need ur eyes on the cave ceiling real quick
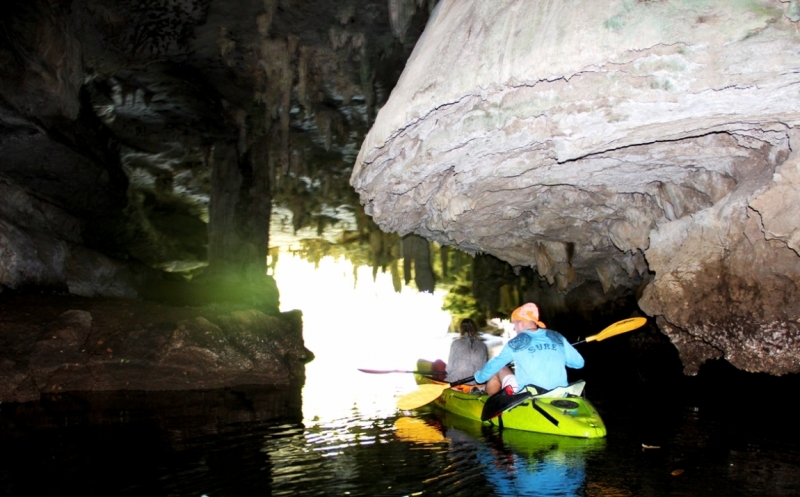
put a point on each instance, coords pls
(127, 120)
(648, 145)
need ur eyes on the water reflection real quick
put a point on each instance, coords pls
(512, 462)
(342, 434)
(352, 320)
(256, 441)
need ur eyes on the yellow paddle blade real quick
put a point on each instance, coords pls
(617, 328)
(418, 398)
(417, 430)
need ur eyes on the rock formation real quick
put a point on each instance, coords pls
(149, 140)
(143, 146)
(57, 344)
(640, 144)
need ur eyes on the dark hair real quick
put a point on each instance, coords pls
(470, 329)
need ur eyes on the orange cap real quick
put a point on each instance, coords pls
(528, 312)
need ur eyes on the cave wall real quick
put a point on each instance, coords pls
(725, 285)
(636, 144)
(144, 144)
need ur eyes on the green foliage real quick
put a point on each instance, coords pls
(459, 301)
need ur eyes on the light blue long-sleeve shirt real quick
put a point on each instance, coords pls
(540, 359)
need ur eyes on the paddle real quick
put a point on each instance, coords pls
(417, 430)
(428, 393)
(386, 371)
(615, 329)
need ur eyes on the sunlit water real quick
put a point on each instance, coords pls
(342, 435)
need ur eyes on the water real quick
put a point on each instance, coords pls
(253, 441)
(340, 433)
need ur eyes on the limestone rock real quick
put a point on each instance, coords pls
(585, 138)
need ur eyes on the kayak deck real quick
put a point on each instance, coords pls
(566, 415)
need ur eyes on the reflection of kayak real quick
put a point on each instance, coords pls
(567, 415)
(519, 462)
(524, 443)
(417, 430)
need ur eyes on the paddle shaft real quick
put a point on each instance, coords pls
(387, 371)
(461, 382)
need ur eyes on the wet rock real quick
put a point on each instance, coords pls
(104, 344)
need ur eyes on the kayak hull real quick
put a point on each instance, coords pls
(570, 416)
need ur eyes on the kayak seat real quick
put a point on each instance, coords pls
(535, 389)
(574, 389)
(440, 368)
(501, 402)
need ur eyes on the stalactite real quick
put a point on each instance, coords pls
(367, 78)
(408, 258)
(400, 14)
(416, 253)
(444, 255)
(226, 181)
(376, 247)
(264, 21)
(396, 282)
(423, 271)
(302, 87)
(275, 62)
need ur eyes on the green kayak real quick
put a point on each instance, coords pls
(562, 411)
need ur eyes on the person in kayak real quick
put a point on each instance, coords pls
(540, 356)
(468, 353)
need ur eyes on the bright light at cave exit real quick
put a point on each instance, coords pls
(352, 322)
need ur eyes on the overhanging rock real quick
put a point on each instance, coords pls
(605, 140)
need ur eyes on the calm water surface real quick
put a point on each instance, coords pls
(351, 441)
(340, 433)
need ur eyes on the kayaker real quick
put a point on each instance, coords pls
(540, 356)
(468, 353)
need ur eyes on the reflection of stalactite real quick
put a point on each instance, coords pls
(489, 274)
(509, 296)
(444, 253)
(376, 247)
(396, 277)
(277, 76)
(272, 260)
(417, 250)
(407, 261)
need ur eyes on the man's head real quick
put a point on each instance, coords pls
(526, 317)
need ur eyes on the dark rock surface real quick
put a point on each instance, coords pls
(160, 135)
(143, 146)
(55, 344)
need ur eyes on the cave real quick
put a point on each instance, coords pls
(605, 164)
(606, 160)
